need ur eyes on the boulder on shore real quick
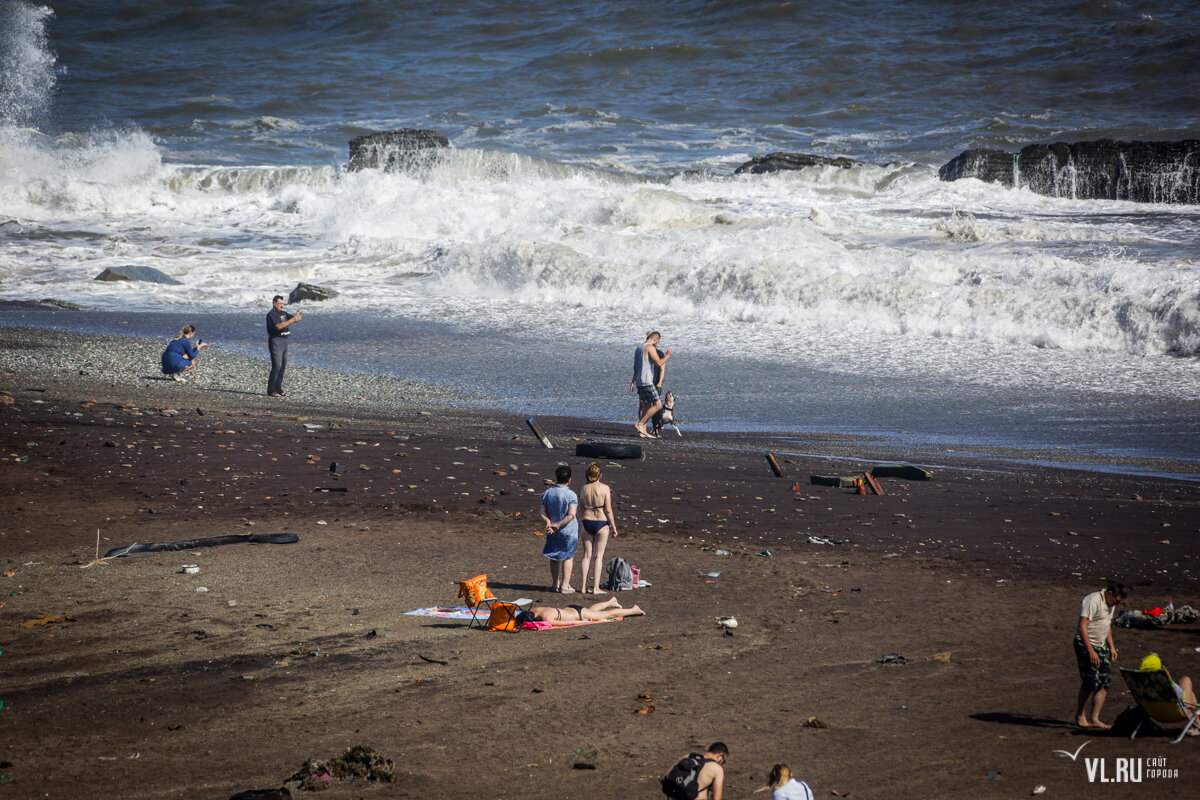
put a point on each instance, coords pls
(135, 273)
(777, 162)
(1145, 172)
(306, 292)
(396, 151)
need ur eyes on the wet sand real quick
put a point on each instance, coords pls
(154, 689)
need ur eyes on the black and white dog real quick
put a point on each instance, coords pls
(665, 416)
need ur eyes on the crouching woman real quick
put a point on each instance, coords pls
(180, 355)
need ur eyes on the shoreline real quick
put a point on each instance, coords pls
(129, 361)
(304, 650)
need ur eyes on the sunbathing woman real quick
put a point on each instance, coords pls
(573, 615)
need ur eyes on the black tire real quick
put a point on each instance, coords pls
(906, 471)
(609, 450)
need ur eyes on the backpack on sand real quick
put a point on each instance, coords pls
(620, 576)
(683, 781)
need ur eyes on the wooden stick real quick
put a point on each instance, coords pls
(97, 543)
(533, 426)
(774, 464)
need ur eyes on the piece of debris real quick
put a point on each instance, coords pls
(831, 480)
(357, 763)
(335, 466)
(773, 464)
(282, 793)
(728, 622)
(821, 540)
(893, 658)
(533, 426)
(1039, 789)
(813, 722)
(31, 623)
(582, 765)
(943, 657)
(906, 471)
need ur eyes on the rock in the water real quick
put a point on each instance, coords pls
(776, 162)
(305, 292)
(396, 151)
(45, 303)
(1145, 172)
(135, 273)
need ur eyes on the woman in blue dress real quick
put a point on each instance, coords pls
(559, 507)
(180, 355)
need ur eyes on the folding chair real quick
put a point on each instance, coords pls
(522, 604)
(477, 597)
(1154, 691)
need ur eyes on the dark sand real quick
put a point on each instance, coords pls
(156, 690)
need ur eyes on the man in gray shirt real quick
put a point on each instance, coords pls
(645, 359)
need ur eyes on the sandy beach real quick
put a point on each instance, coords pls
(162, 684)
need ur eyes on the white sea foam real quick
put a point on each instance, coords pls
(27, 65)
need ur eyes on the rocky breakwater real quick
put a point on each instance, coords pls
(397, 151)
(1145, 172)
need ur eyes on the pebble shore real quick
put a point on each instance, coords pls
(219, 379)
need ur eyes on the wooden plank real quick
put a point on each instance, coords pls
(533, 426)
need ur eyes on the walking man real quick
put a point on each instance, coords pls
(278, 322)
(645, 359)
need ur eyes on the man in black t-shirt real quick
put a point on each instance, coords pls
(278, 322)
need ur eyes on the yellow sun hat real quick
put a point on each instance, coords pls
(1151, 662)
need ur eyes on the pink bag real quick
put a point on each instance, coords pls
(636, 575)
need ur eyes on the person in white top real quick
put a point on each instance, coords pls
(1095, 652)
(785, 786)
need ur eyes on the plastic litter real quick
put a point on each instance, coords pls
(728, 622)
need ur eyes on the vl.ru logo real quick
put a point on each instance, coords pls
(1122, 769)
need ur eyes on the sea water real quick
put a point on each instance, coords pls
(590, 196)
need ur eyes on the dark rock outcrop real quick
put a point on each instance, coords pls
(1145, 172)
(305, 292)
(135, 273)
(396, 151)
(47, 303)
(777, 162)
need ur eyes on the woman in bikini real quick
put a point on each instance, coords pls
(598, 523)
(574, 615)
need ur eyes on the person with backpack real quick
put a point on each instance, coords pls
(698, 776)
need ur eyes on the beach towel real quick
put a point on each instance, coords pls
(445, 612)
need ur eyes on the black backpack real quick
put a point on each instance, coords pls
(682, 782)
